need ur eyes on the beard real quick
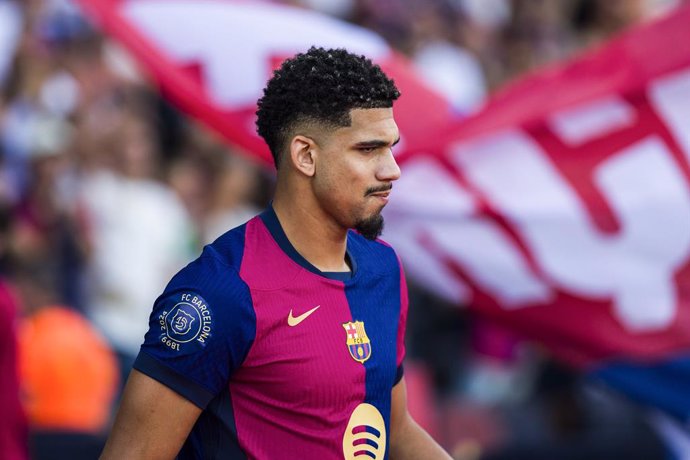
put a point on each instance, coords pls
(371, 227)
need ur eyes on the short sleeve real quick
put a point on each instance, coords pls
(200, 331)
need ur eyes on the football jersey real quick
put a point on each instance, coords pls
(286, 361)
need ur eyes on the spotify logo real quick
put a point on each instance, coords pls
(365, 435)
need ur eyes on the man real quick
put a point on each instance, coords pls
(284, 340)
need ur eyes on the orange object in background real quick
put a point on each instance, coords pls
(69, 373)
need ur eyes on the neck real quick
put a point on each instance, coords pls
(312, 232)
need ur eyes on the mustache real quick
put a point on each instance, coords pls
(382, 188)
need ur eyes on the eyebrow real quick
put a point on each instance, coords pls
(376, 143)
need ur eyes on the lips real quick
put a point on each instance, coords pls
(383, 196)
(380, 190)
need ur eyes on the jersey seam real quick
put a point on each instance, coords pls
(214, 254)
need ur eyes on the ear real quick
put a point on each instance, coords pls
(303, 154)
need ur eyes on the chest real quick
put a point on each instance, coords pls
(324, 343)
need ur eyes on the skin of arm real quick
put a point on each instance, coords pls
(152, 423)
(408, 439)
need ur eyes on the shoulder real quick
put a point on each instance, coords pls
(215, 273)
(204, 298)
(227, 249)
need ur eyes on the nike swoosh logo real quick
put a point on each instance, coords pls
(295, 320)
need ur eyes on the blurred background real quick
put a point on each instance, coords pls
(106, 190)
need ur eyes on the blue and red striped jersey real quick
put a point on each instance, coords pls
(286, 361)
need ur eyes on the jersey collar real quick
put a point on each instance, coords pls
(270, 220)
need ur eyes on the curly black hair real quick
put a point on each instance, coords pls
(320, 86)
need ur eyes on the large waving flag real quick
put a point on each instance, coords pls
(562, 209)
(567, 201)
(213, 58)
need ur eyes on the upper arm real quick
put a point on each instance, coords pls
(152, 423)
(409, 440)
(200, 331)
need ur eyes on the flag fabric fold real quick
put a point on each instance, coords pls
(213, 57)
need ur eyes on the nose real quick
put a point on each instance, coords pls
(388, 169)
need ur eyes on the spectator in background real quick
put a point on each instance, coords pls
(13, 426)
(568, 418)
(69, 373)
(446, 66)
(10, 30)
(48, 228)
(231, 197)
(221, 188)
(189, 176)
(140, 233)
(598, 20)
(389, 18)
(537, 34)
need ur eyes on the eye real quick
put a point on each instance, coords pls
(367, 149)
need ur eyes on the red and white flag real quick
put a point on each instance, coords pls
(213, 58)
(561, 210)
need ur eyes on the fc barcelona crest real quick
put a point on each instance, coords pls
(358, 343)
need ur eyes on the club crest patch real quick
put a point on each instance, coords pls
(182, 322)
(189, 320)
(358, 344)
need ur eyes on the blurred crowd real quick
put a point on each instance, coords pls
(106, 190)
